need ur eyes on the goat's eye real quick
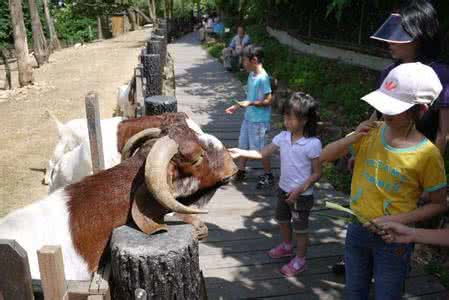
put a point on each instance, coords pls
(199, 160)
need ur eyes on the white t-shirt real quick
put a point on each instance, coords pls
(296, 160)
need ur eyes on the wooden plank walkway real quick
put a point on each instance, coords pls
(240, 219)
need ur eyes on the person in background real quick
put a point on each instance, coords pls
(256, 123)
(236, 48)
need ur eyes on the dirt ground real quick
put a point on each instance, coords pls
(27, 135)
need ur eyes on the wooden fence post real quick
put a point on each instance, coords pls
(153, 72)
(51, 267)
(94, 128)
(15, 280)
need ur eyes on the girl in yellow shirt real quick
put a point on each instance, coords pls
(394, 165)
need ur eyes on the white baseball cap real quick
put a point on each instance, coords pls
(406, 85)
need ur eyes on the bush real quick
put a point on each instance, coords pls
(73, 28)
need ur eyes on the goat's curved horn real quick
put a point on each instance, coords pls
(137, 140)
(156, 176)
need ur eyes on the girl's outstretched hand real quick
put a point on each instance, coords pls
(232, 109)
(235, 152)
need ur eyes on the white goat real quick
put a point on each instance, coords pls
(71, 159)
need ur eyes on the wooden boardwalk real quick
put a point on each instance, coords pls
(240, 219)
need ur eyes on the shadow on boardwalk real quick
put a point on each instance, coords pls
(241, 225)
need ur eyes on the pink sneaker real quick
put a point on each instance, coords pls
(294, 267)
(280, 251)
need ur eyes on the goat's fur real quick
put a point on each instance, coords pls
(71, 160)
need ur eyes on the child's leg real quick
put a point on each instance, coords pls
(283, 217)
(391, 265)
(266, 162)
(257, 140)
(302, 242)
(358, 262)
(300, 220)
(244, 140)
(286, 232)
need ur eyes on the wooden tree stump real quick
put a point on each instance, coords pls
(152, 71)
(157, 105)
(165, 265)
(162, 49)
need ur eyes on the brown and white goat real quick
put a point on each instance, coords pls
(164, 169)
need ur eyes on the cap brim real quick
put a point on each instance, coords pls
(386, 104)
(391, 31)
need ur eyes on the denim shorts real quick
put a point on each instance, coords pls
(367, 256)
(253, 135)
(296, 214)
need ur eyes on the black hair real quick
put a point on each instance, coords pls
(254, 52)
(303, 105)
(241, 26)
(420, 21)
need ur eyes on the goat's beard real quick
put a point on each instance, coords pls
(199, 198)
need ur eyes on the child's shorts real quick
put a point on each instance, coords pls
(297, 214)
(253, 135)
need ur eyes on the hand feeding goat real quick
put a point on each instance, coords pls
(164, 169)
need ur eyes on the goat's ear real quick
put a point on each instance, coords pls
(147, 213)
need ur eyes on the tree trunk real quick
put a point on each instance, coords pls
(362, 17)
(145, 17)
(4, 56)
(132, 19)
(165, 265)
(40, 48)
(99, 29)
(54, 41)
(20, 43)
(152, 10)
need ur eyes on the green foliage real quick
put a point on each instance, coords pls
(337, 86)
(439, 270)
(5, 25)
(73, 28)
(215, 49)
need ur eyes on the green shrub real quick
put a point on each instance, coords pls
(73, 28)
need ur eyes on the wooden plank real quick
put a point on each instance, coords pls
(94, 128)
(95, 297)
(327, 283)
(15, 281)
(51, 267)
(249, 257)
(100, 282)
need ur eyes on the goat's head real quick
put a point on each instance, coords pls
(181, 163)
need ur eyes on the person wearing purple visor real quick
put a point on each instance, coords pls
(413, 36)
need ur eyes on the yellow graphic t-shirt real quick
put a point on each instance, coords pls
(388, 180)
